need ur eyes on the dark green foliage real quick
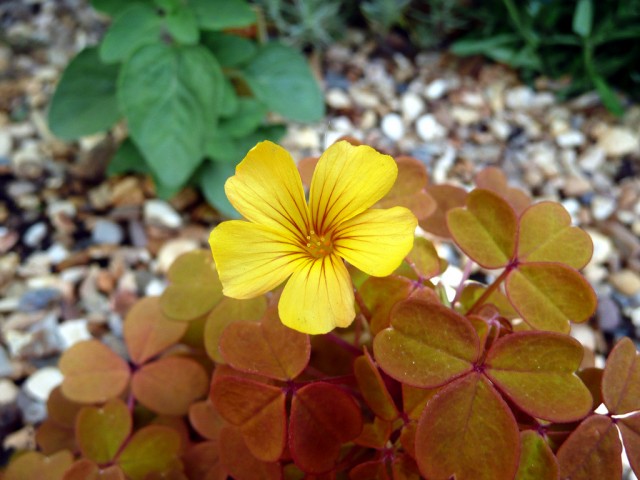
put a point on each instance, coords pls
(595, 43)
(195, 92)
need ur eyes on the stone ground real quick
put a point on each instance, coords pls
(77, 248)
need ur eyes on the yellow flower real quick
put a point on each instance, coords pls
(284, 238)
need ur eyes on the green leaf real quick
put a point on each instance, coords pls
(537, 461)
(221, 15)
(373, 388)
(194, 287)
(272, 132)
(583, 18)
(380, 294)
(592, 451)
(168, 6)
(228, 311)
(550, 295)
(153, 449)
(115, 7)
(85, 99)
(127, 159)
(475, 46)
(229, 101)
(211, 179)
(546, 235)
(537, 371)
(101, 431)
(245, 120)
(280, 77)
(427, 344)
(621, 379)
(170, 96)
(183, 26)
(486, 229)
(462, 430)
(608, 96)
(260, 415)
(31, 465)
(135, 27)
(230, 50)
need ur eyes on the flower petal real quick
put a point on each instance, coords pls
(318, 297)
(252, 259)
(267, 190)
(376, 241)
(346, 182)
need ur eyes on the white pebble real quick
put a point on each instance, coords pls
(8, 392)
(602, 247)
(155, 288)
(172, 250)
(436, 89)
(412, 106)
(338, 99)
(35, 234)
(429, 129)
(602, 207)
(572, 138)
(392, 126)
(39, 385)
(57, 253)
(5, 143)
(584, 334)
(617, 141)
(73, 331)
(159, 212)
(592, 159)
(64, 207)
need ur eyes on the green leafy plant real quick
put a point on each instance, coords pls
(486, 385)
(595, 43)
(309, 22)
(194, 88)
(383, 14)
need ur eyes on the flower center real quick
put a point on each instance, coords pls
(318, 245)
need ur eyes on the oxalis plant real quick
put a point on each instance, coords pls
(361, 366)
(194, 80)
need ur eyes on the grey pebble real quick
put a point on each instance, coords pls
(107, 232)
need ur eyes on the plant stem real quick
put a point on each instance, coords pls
(341, 342)
(361, 305)
(465, 276)
(490, 289)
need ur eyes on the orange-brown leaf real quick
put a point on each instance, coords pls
(93, 373)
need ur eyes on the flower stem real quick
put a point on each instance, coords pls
(361, 305)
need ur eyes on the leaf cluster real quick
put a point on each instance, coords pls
(594, 43)
(488, 385)
(194, 84)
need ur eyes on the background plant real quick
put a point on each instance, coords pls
(306, 22)
(594, 43)
(487, 385)
(195, 93)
